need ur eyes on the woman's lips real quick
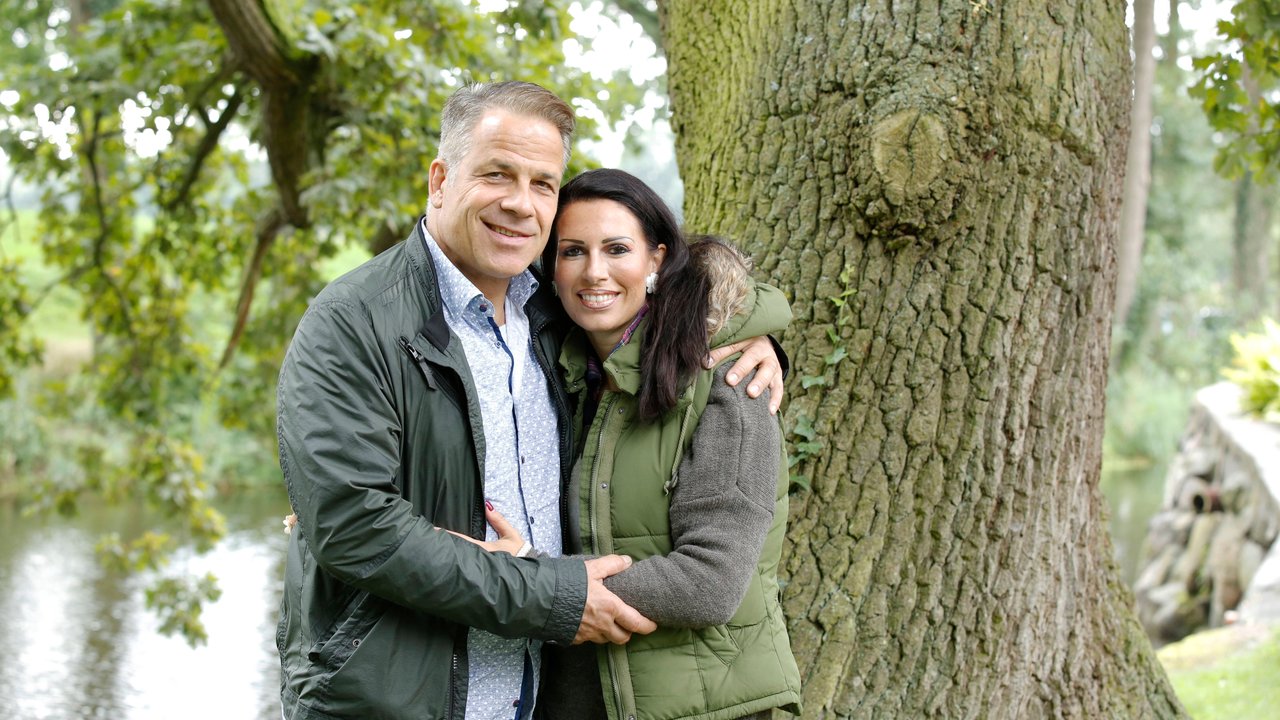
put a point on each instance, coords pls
(596, 299)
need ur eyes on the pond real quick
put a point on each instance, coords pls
(78, 641)
(1133, 495)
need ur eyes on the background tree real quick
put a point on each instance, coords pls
(1137, 176)
(937, 186)
(1245, 105)
(199, 162)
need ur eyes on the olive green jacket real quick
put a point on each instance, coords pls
(381, 445)
(628, 468)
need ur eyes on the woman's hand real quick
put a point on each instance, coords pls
(509, 540)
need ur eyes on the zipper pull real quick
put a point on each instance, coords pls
(418, 360)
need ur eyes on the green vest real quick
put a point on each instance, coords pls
(722, 672)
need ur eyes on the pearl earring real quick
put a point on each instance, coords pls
(651, 282)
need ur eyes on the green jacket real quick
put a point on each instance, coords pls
(381, 444)
(720, 672)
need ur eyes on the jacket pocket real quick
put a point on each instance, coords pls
(361, 615)
(720, 640)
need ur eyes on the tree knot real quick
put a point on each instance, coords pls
(909, 150)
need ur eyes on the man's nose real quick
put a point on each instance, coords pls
(519, 200)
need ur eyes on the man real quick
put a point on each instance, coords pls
(419, 388)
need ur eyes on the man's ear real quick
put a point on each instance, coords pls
(435, 183)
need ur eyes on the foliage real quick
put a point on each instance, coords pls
(195, 177)
(1256, 369)
(1238, 89)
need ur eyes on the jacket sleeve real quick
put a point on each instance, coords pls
(720, 512)
(340, 435)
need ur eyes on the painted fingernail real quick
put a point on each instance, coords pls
(706, 361)
(488, 504)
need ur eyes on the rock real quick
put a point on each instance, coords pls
(1180, 613)
(1191, 495)
(1187, 569)
(1167, 527)
(1251, 554)
(1224, 567)
(1237, 485)
(1200, 461)
(1156, 572)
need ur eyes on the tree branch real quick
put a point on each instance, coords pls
(207, 145)
(256, 43)
(95, 183)
(269, 226)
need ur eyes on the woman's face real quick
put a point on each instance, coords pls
(602, 259)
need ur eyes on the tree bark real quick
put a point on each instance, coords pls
(937, 187)
(1137, 180)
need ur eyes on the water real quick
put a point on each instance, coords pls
(76, 640)
(1133, 496)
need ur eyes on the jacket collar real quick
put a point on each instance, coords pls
(623, 365)
(436, 328)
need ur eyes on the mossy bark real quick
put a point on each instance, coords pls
(937, 187)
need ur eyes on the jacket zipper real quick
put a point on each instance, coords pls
(566, 442)
(418, 359)
(603, 415)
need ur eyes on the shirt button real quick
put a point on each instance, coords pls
(621, 410)
(532, 520)
(604, 486)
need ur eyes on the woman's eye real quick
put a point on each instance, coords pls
(570, 252)
(619, 249)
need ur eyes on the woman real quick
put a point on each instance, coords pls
(677, 469)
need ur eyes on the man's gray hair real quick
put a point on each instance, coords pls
(467, 105)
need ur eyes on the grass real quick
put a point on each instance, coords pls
(57, 318)
(1230, 673)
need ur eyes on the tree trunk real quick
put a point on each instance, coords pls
(1137, 179)
(937, 187)
(1251, 234)
(1251, 249)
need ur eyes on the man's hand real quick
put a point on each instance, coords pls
(606, 619)
(758, 355)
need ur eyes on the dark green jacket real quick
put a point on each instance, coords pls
(381, 444)
(716, 672)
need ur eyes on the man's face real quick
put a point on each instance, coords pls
(491, 213)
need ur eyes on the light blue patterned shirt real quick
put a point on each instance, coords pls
(521, 464)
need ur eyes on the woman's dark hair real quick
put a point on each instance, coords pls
(675, 343)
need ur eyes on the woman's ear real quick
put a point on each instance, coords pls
(659, 254)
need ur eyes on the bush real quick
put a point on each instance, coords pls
(1256, 369)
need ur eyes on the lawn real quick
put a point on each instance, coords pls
(1230, 673)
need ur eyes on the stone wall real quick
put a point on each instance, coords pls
(1210, 557)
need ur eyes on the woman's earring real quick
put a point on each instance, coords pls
(651, 282)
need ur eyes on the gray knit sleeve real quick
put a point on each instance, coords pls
(721, 509)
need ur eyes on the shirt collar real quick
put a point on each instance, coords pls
(460, 294)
